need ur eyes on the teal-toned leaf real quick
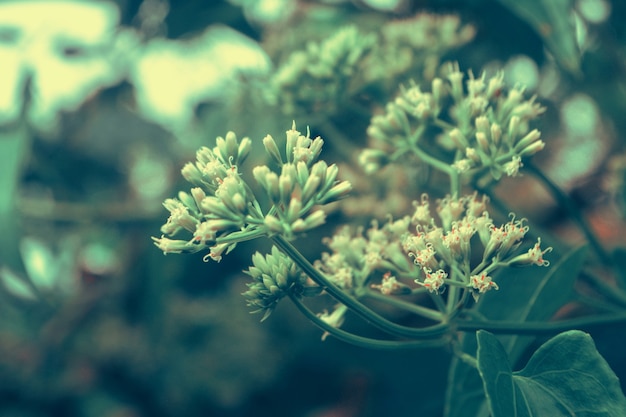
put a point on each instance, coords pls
(554, 22)
(497, 376)
(566, 376)
(619, 258)
(526, 294)
(16, 285)
(39, 263)
(14, 147)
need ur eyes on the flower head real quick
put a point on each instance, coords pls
(273, 276)
(433, 281)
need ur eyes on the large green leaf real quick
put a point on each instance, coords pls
(523, 297)
(526, 294)
(566, 376)
(553, 21)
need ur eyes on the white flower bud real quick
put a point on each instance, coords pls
(272, 149)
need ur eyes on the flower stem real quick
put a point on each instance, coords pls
(434, 162)
(357, 307)
(361, 341)
(404, 305)
(536, 328)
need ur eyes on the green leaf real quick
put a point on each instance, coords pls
(566, 376)
(16, 285)
(528, 297)
(525, 294)
(39, 262)
(619, 259)
(553, 21)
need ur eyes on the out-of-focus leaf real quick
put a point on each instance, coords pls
(14, 145)
(173, 77)
(566, 376)
(526, 294)
(553, 21)
(69, 51)
(16, 285)
(39, 262)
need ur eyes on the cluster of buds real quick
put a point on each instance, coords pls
(356, 254)
(304, 183)
(412, 107)
(433, 253)
(490, 129)
(443, 249)
(429, 31)
(273, 275)
(416, 45)
(315, 80)
(222, 210)
(218, 204)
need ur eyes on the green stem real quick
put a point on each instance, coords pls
(445, 126)
(614, 294)
(242, 236)
(536, 328)
(404, 305)
(463, 356)
(455, 184)
(358, 308)
(362, 341)
(565, 201)
(439, 303)
(434, 162)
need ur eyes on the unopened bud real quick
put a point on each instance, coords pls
(458, 138)
(273, 224)
(191, 173)
(272, 149)
(483, 143)
(482, 124)
(527, 140)
(496, 133)
(533, 148)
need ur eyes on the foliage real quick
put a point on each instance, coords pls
(565, 376)
(408, 211)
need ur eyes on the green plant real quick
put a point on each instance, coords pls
(444, 267)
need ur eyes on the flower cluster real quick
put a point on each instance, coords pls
(415, 45)
(303, 183)
(222, 210)
(429, 31)
(355, 255)
(445, 251)
(432, 253)
(328, 73)
(273, 275)
(218, 205)
(316, 78)
(489, 130)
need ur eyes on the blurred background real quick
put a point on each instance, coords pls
(102, 103)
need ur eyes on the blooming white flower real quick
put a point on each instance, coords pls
(335, 319)
(482, 283)
(433, 281)
(512, 167)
